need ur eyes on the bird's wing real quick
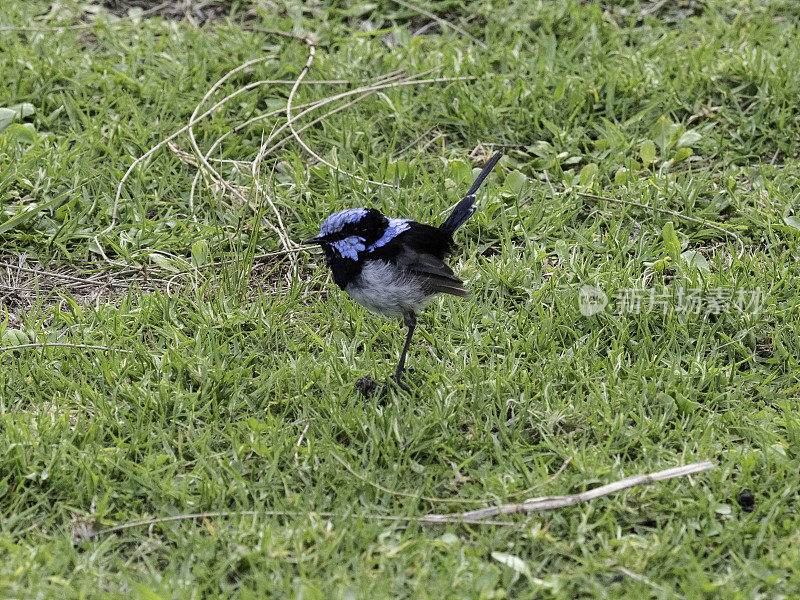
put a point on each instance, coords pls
(434, 273)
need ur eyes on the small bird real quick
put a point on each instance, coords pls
(395, 267)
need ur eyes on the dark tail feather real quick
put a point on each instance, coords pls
(466, 208)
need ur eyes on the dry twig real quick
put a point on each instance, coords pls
(445, 500)
(551, 502)
(272, 513)
(480, 516)
(202, 160)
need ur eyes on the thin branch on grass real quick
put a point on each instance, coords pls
(197, 119)
(175, 134)
(312, 49)
(479, 517)
(443, 500)
(4, 349)
(50, 28)
(552, 502)
(280, 230)
(274, 513)
(397, 74)
(441, 21)
(553, 477)
(28, 528)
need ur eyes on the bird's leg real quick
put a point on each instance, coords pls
(410, 320)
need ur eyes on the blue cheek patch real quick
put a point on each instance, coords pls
(349, 247)
(395, 228)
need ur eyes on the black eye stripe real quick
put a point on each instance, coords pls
(348, 230)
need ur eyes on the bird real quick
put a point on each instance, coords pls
(396, 266)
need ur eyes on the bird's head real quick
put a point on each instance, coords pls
(346, 233)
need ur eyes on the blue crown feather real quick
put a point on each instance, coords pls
(338, 220)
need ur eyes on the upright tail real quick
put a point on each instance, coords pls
(466, 208)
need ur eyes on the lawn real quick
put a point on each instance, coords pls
(170, 349)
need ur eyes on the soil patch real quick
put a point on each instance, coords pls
(26, 284)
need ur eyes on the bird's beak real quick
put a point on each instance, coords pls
(317, 239)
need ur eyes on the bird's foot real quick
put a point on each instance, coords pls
(368, 387)
(398, 379)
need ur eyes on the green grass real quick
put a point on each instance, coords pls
(236, 389)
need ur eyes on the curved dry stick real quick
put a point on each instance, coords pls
(175, 134)
(231, 132)
(552, 502)
(475, 517)
(311, 107)
(272, 513)
(161, 144)
(289, 120)
(314, 105)
(280, 232)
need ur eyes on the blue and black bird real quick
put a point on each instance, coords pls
(395, 266)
